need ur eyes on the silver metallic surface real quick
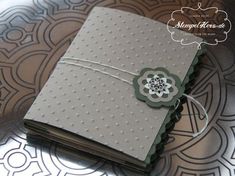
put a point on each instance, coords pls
(34, 34)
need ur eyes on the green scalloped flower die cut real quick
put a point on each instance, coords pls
(157, 87)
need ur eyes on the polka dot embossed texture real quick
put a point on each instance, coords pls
(91, 94)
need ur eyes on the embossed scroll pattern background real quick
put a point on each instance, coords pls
(34, 34)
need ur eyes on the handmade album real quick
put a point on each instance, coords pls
(116, 91)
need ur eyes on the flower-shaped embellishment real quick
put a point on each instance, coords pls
(157, 87)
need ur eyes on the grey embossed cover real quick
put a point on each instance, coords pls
(90, 92)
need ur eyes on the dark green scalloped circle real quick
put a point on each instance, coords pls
(159, 104)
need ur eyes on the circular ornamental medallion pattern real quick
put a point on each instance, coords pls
(157, 87)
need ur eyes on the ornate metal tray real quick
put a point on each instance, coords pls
(34, 34)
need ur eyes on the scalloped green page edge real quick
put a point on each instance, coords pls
(168, 120)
